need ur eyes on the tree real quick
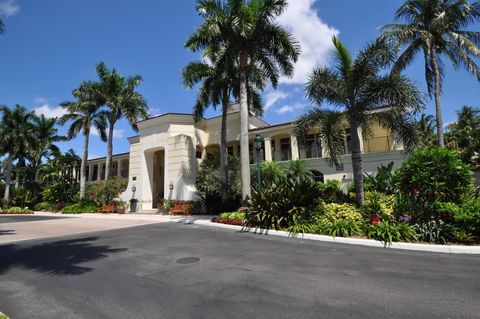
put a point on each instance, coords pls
(219, 84)
(121, 100)
(362, 94)
(2, 27)
(464, 134)
(424, 129)
(84, 113)
(438, 28)
(246, 29)
(17, 140)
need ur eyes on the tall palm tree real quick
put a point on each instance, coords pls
(439, 29)
(17, 140)
(249, 34)
(71, 161)
(121, 100)
(424, 129)
(84, 113)
(464, 134)
(47, 134)
(2, 27)
(362, 94)
(219, 84)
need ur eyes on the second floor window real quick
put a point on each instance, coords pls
(313, 147)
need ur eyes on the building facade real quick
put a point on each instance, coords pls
(164, 158)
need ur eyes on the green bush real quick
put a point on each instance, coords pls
(240, 216)
(339, 228)
(104, 192)
(465, 218)
(389, 231)
(430, 176)
(333, 213)
(382, 182)
(61, 192)
(83, 207)
(17, 210)
(379, 204)
(284, 199)
(45, 207)
(330, 192)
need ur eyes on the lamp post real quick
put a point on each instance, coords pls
(259, 145)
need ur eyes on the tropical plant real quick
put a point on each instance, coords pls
(382, 182)
(464, 134)
(122, 100)
(104, 192)
(331, 192)
(437, 28)
(61, 192)
(17, 140)
(390, 231)
(359, 89)
(84, 113)
(424, 130)
(82, 207)
(2, 27)
(47, 135)
(333, 213)
(248, 34)
(209, 184)
(219, 84)
(436, 232)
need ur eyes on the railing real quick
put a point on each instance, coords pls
(378, 144)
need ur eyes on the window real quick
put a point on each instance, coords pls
(230, 150)
(285, 152)
(318, 176)
(339, 167)
(313, 147)
(198, 152)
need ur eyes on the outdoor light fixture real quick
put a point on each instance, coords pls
(134, 189)
(171, 186)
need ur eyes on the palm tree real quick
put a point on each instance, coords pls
(438, 28)
(250, 36)
(84, 113)
(47, 134)
(362, 94)
(219, 84)
(17, 140)
(424, 129)
(71, 161)
(2, 27)
(464, 134)
(121, 100)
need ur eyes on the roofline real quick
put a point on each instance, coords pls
(99, 158)
(271, 126)
(170, 113)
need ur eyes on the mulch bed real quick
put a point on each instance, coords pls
(228, 221)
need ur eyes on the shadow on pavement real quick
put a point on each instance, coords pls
(7, 232)
(55, 258)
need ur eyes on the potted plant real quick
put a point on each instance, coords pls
(133, 205)
(120, 207)
(165, 207)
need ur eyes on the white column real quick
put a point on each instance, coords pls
(294, 147)
(268, 149)
(90, 173)
(119, 168)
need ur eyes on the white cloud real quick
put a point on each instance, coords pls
(155, 111)
(40, 100)
(9, 8)
(50, 111)
(116, 133)
(273, 97)
(314, 36)
(289, 108)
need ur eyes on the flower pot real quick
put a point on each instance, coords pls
(133, 206)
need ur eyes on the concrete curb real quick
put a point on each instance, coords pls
(446, 249)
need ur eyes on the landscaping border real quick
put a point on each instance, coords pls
(446, 249)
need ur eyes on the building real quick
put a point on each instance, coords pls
(164, 158)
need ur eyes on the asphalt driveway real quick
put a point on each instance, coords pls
(185, 271)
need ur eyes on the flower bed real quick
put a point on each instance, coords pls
(229, 221)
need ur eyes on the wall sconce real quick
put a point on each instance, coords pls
(134, 189)
(171, 186)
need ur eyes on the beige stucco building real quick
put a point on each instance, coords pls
(164, 158)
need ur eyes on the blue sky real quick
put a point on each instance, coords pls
(52, 45)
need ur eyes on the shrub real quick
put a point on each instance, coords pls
(104, 192)
(437, 173)
(434, 232)
(61, 192)
(333, 213)
(45, 207)
(465, 218)
(240, 216)
(17, 210)
(280, 203)
(330, 192)
(383, 181)
(209, 185)
(83, 207)
(379, 204)
(339, 228)
(389, 231)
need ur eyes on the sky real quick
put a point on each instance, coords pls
(51, 46)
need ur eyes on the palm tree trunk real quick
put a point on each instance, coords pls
(357, 163)
(8, 179)
(83, 165)
(438, 107)
(108, 165)
(244, 151)
(224, 149)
